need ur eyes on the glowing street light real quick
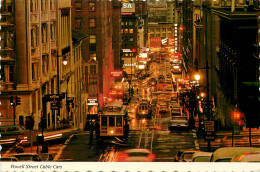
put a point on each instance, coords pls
(197, 77)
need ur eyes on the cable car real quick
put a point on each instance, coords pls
(113, 120)
(143, 110)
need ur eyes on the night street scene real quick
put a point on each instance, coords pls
(130, 81)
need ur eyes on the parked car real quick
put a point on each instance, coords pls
(46, 156)
(178, 156)
(12, 133)
(187, 155)
(225, 154)
(201, 156)
(26, 157)
(178, 122)
(247, 157)
(8, 159)
(135, 155)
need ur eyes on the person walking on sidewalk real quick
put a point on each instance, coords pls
(91, 129)
(97, 129)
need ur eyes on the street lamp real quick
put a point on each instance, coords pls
(197, 77)
(65, 62)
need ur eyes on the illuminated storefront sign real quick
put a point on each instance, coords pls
(92, 101)
(143, 55)
(128, 8)
(117, 73)
(155, 42)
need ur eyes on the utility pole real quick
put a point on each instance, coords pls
(208, 104)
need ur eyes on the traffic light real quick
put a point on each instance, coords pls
(18, 100)
(11, 101)
(236, 115)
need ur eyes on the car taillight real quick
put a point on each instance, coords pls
(151, 157)
(121, 156)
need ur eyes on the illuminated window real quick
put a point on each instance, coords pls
(2, 73)
(93, 56)
(92, 39)
(122, 23)
(78, 6)
(92, 6)
(126, 31)
(92, 22)
(131, 23)
(122, 30)
(78, 22)
(131, 30)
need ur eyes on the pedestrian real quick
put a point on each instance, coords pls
(91, 132)
(97, 129)
(126, 131)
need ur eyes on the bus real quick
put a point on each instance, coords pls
(113, 120)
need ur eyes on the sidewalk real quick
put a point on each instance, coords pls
(48, 135)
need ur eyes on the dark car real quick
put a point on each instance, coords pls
(26, 157)
(12, 133)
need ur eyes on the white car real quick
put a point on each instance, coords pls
(135, 155)
(247, 157)
(201, 156)
(178, 122)
(187, 155)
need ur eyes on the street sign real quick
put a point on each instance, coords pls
(209, 135)
(209, 125)
(55, 105)
(236, 130)
(209, 130)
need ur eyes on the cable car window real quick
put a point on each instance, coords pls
(104, 121)
(119, 121)
(111, 121)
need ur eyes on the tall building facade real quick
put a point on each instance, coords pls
(225, 37)
(100, 20)
(31, 60)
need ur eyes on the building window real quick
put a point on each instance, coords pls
(33, 72)
(131, 30)
(122, 23)
(158, 35)
(78, 22)
(78, 6)
(92, 22)
(122, 30)
(126, 31)
(52, 4)
(2, 73)
(131, 23)
(44, 5)
(92, 39)
(93, 56)
(151, 35)
(53, 31)
(44, 33)
(92, 47)
(44, 64)
(11, 73)
(34, 6)
(92, 6)
(163, 29)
